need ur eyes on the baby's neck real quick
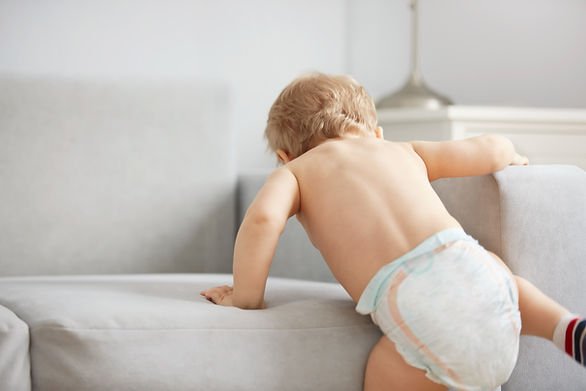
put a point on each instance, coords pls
(345, 136)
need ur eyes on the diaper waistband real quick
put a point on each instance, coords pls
(369, 297)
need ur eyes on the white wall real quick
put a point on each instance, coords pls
(254, 46)
(514, 52)
(497, 52)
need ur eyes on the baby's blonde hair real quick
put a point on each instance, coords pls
(315, 107)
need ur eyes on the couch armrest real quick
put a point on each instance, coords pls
(14, 352)
(534, 217)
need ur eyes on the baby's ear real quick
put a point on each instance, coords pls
(378, 132)
(284, 156)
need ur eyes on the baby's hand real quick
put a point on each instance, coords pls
(221, 295)
(519, 160)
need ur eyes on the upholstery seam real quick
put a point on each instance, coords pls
(195, 329)
(500, 216)
(17, 317)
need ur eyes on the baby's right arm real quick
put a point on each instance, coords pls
(257, 240)
(473, 156)
(258, 235)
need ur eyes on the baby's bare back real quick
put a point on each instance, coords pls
(364, 202)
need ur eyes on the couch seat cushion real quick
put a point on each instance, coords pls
(155, 332)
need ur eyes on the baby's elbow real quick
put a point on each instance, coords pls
(266, 220)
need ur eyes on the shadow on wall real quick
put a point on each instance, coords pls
(210, 245)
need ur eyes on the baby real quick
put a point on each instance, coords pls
(450, 310)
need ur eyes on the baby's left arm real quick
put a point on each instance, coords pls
(257, 239)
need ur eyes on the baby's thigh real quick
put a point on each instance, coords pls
(386, 370)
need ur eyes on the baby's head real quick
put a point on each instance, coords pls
(316, 107)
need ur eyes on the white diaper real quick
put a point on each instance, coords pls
(451, 309)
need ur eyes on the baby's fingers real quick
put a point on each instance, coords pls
(519, 160)
(215, 295)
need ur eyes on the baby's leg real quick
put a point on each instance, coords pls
(543, 317)
(539, 313)
(386, 370)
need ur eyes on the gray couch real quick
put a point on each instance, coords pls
(119, 202)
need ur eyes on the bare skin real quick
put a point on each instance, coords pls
(363, 202)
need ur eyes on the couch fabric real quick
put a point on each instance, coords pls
(115, 177)
(14, 352)
(155, 332)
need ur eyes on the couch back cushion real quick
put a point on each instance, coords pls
(114, 177)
